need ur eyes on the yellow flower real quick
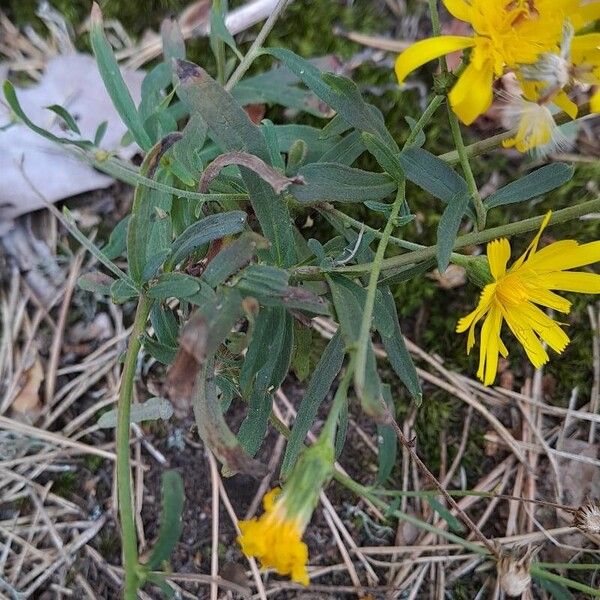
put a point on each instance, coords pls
(507, 34)
(516, 294)
(595, 102)
(275, 538)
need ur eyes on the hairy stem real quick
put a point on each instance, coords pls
(365, 328)
(254, 50)
(478, 237)
(126, 517)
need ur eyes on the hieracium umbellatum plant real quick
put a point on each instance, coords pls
(220, 267)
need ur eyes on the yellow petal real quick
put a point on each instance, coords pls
(531, 249)
(566, 104)
(473, 94)
(490, 346)
(469, 322)
(585, 15)
(544, 297)
(545, 327)
(425, 50)
(571, 256)
(459, 9)
(595, 102)
(498, 253)
(582, 283)
(524, 333)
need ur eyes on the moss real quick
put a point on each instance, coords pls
(65, 484)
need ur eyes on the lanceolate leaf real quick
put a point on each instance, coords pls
(113, 80)
(339, 183)
(267, 362)
(537, 183)
(448, 228)
(431, 174)
(173, 497)
(232, 130)
(206, 230)
(325, 372)
(339, 93)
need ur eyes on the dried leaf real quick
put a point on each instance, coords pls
(27, 403)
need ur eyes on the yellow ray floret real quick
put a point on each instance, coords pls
(507, 34)
(515, 295)
(276, 539)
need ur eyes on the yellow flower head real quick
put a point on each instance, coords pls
(275, 538)
(507, 34)
(516, 294)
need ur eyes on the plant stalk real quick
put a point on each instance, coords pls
(365, 328)
(470, 239)
(126, 516)
(254, 49)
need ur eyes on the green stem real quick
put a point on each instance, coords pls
(490, 143)
(361, 490)
(339, 401)
(434, 15)
(126, 516)
(424, 119)
(254, 49)
(480, 209)
(470, 239)
(364, 338)
(218, 46)
(538, 571)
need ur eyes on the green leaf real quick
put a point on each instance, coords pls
(152, 409)
(349, 310)
(121, 291)
(263, 280)
(117, 241)
(346, 151)
(539, 182)
(161, 352)
(66, 116)
(448, 228)
(322, 379)
(173, 497)
(387, 441)
(301, 351)
(11, 98)
(387, 160)
(339, 183)
(159, 580)
(164, 324)
(208, 229)
(453, 523)
(174, 285)
(266, 365)
(96, 282)
(395, 347)
(232, 130)
(233, 257)
(432, 174)
(100, 133)
(149, 230)
(218, 29)
(338, 92)
(113, 81)
(172, 41)
(557, 591)
(420, 139)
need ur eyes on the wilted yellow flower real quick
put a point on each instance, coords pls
(536, 128)
(275, 538)
(515, 295)
(506, 34)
